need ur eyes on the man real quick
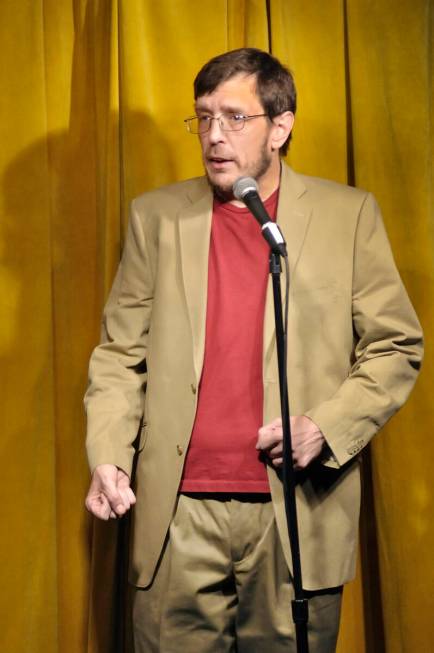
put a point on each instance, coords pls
(190, 318)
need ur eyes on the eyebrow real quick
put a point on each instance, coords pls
(226, 108)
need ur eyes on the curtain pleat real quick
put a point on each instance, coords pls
(28, 543)
(391, 87)
(94, 93)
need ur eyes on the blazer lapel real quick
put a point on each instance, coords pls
(194, 235)
(293, 216)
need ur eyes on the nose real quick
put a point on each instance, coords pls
(215, 133)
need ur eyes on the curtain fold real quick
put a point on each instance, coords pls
(94, 93)
(391, 86)
(28, 546)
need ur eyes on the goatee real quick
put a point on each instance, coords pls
(222, 194)
(255, 169)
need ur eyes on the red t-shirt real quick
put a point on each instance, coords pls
(222, 455)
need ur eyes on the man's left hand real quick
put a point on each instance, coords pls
(307, 441)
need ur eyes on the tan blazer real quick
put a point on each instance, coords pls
(355, 348)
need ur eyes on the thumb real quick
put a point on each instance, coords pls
(110, 489)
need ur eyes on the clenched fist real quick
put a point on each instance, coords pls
(307, 441)
(109, 495)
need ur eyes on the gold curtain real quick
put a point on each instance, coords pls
(93, 95)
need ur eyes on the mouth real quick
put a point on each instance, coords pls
(219, 162)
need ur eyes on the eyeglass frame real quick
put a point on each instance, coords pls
(211, 118)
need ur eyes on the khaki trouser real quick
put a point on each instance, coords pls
(223, 586)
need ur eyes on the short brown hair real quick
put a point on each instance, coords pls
(274, 83)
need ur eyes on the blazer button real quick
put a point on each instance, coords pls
(193, 388)
(179, 449)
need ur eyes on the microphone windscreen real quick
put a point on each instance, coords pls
(244, 185)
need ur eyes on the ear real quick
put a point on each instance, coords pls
(282, 127)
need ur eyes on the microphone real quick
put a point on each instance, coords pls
(245, 189)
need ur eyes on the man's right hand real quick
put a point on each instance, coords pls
(109, 495)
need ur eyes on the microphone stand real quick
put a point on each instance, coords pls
(300, 611)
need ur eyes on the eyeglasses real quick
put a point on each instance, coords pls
(229, 122)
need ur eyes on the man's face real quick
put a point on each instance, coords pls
(228, 155)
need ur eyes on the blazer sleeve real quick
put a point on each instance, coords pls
(117, 372)
(388, 346)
